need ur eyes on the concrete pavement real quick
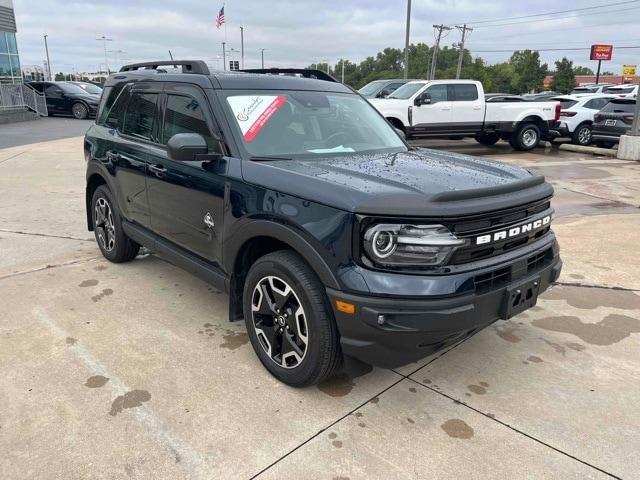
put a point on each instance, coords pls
(132, 371)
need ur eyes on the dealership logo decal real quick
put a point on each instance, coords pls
(513, 232)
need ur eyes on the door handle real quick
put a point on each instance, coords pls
(445, 109)
(477, 108)
(158, 170)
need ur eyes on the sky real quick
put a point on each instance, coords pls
(297, 33)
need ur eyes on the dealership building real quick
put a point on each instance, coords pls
(9, 59)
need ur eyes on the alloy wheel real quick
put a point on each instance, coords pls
(584, 136)
(529, 137)
(280, 322)
(79, 111)
(105, 228)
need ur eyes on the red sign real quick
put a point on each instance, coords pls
(601, 52)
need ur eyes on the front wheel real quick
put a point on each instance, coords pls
(107, 227)
(289, 321)
(526, 137)
(582, 135)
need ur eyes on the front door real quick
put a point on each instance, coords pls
(55, 98)
(435, 117)
(186, 199)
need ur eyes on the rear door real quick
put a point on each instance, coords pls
(467, 109)
(187, 198)
(433, 118)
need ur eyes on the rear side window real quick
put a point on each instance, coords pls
(596, 103)
(564, 104)
(184, 115)
(140, 115)
(616, 106)
(112, 104)
(463, 93)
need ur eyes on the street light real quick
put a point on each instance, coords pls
(104, 41)
(262, 56)
(46, 47)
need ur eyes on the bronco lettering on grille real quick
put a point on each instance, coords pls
(513, 231)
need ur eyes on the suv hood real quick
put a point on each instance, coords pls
(420, 182)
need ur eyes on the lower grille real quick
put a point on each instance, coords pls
(502, 276)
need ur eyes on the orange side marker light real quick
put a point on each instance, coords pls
(345, 307)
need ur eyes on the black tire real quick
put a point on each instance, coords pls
(582, 135)
(321, 356)
(604, 144)
(107, 227)
(79, 110)
(526, 137)
(488, 140)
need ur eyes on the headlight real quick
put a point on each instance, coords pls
(404, 244)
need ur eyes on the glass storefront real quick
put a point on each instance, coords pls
(9, 61)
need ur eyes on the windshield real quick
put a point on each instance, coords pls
(90, 88)
(371, 88)
(407, 90)
(619, 90)
(306, 124)
(71, 88)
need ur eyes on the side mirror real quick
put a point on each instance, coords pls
(423, 99)
(187, 147)
(400, 133)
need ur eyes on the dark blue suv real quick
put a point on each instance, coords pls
(331, 235)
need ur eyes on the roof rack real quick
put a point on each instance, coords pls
(188, 66)
(303, 72)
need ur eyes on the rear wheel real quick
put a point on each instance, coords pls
(526, 137)
(107, 227)
(488, 140)
(289, 321)
(582, 135)
(80, 111)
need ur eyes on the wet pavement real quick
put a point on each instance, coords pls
(132, 370)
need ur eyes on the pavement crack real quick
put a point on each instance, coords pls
(600, 198)
(605, 287)
(13, 156)
(48, 267)
(511, 427)
(36, 234)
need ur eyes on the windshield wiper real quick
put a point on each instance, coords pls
(266, 158)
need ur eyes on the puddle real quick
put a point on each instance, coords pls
(457, 428)
(96, 381)
(234, 340)
(338, 386)
(594, 297)
(131, 399)
(88, 283)
(612, 329)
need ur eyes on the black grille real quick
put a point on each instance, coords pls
(480, 225)
(502, 276)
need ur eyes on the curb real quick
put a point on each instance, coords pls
(607, 152)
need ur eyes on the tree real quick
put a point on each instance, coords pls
(564, 80)
(580, 70)
(529, 72)
(59, 77)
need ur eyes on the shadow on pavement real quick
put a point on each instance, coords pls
(42, 130)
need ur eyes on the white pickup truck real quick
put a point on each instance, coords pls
(457, 109)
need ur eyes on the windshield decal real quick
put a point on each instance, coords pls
(253, 112)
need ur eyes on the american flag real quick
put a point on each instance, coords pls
(220, 18)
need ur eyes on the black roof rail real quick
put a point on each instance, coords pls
(188, 66)
(303, 72)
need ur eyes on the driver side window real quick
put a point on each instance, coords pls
(438, 93)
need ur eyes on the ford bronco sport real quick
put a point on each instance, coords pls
(332, 236)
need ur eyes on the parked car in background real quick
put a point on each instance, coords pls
(613, 121)
(503, 97)
(626, 91)
(89, 87)
(65, 98)
(590, 89)
(540, 97)
(382, 88)
(457, 108)
(576, 115)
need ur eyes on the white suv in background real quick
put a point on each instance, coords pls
(576, 115)
(624, 91)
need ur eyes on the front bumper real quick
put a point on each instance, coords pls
(415, 327)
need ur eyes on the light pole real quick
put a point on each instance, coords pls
(406, 41)
(104, 41)
(224, 56)
(262, 57)
(242, 46)
(46, 47)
